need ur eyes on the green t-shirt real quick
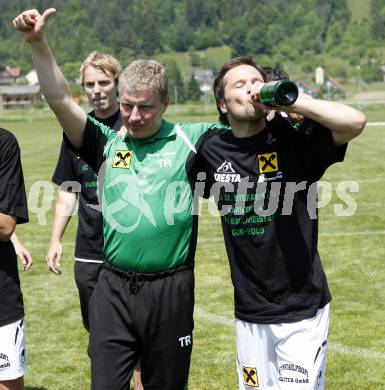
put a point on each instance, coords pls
(147, 198)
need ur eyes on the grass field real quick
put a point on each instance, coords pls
(360, 9)
(352, 249)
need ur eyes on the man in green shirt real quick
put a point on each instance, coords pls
(142, 306)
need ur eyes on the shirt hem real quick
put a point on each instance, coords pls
(11, 319)
(281, 318)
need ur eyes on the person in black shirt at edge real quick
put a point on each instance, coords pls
(270, 228)
(13, 210)
(99, 76)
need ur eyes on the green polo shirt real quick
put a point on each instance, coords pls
(147, 199)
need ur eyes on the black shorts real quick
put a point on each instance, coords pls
(86, 276)
(141, 316)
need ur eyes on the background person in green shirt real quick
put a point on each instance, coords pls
(142, 306)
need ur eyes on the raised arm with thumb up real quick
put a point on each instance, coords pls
(31, 25)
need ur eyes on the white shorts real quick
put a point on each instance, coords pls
(283, 356)
(12, 351)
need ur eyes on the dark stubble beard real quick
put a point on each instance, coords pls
(258, 114)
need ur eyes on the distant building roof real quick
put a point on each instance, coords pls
(14, 72)
(307, 88)
(335, 83)
(19, 89)
(9, 75)
(203, 74)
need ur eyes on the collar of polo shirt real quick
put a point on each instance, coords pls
(167, 130)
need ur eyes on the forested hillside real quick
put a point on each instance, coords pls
(306, 33)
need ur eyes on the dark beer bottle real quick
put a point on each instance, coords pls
(278, 93)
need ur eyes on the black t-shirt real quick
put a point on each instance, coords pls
(89, 238)
(12, 202)
(271, 240)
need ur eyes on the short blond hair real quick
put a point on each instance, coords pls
(141, 75)
(105, 62)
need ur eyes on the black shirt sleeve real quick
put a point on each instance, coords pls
(91, 150)
(317, 149)
(196, 167)
(12, 191)
(65, 170)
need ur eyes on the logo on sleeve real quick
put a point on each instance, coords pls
(250, 376)
(268, 162)
(122, 159)
(226, 173)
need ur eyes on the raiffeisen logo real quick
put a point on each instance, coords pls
(226, 174)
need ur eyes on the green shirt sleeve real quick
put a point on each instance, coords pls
(195, 130)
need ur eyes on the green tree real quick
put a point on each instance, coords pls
(284, 31)
(71, 70)
(181, 36)
(195, 60)
(236, 36)
(202, 12)
(207, 37)
(378, 19)
(193, 92)
(194, 12)
(175, 82)
(149, 37)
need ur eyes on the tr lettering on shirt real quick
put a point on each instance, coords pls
(166, 163)
(185, 341)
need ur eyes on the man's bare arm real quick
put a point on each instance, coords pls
(72, 118)
(7, 226)
(22, 253)
(344, 122)
(65, 205)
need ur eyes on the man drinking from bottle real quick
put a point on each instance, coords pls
(263, 177)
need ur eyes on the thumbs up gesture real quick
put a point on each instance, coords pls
(31, 24)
